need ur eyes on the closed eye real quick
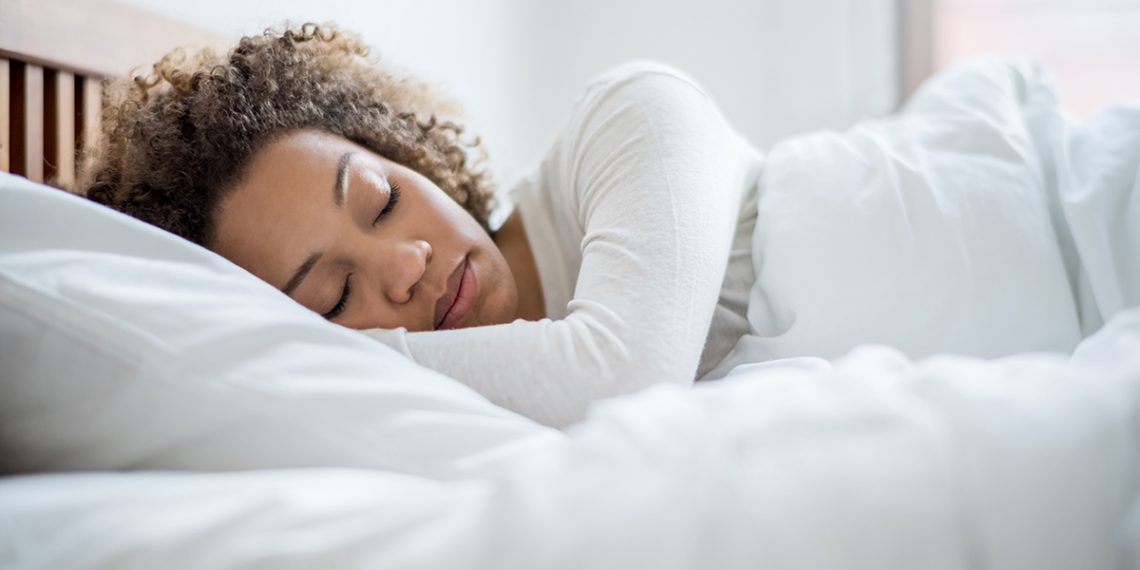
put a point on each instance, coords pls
(339, 307)
(393, 197)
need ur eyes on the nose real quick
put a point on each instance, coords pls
(404, 269)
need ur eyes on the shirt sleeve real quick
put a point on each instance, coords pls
(655, 173)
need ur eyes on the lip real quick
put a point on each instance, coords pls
(455, 303)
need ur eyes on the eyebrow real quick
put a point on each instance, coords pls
(300, 274)
(340, 189)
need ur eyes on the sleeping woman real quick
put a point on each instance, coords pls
(332, 179)
(629, 258)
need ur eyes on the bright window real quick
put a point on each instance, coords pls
(1092, 47)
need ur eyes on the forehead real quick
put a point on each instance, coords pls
(297, 152)
(283, 209)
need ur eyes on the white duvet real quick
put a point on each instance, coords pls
(1029, 462)
(981, 212)
(980, 220)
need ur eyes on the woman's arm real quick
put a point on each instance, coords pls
(655, 173)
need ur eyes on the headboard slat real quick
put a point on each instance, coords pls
(90, 115)
(27, 94)
(5, 129)
(59, 127)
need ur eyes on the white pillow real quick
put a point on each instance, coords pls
(125, 347)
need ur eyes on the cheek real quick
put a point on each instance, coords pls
(501, 297)
(460, 221)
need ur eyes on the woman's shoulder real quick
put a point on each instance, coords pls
(617, 114)
(637, 77)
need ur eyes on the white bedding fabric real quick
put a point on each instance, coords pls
(1028, 462)
(979, 220)
(872, 461)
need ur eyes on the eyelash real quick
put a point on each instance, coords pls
(339, 308)
(394, 196)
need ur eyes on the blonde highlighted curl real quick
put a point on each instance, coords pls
(174, 141)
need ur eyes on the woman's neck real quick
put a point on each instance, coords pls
(511, 241)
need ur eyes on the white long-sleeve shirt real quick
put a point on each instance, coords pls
(639, 218)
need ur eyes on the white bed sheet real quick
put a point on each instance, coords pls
(878, 462)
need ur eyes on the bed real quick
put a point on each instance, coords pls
(160, 407)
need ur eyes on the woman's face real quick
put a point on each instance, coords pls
(316, 217)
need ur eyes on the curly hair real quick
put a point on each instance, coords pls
(176, 140)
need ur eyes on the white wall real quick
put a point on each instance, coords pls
(776, 67)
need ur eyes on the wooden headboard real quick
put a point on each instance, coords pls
(54, 56)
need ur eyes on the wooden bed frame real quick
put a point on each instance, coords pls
(54, 57)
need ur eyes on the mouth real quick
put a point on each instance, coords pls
(454, 304)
